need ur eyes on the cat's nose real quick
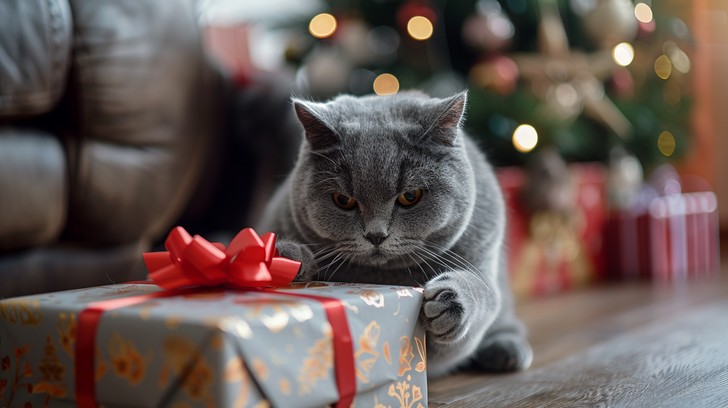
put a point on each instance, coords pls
(376, 238)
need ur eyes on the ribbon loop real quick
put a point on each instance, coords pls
(250, 261)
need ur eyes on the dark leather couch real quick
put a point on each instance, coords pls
(109, 112)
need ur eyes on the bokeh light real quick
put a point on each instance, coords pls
(623, 54)
(419, 28)
(666, 143)
(322, 25)
(663, 67)
(386, 84)
(643, 12)
(679, 59)
(525, 138)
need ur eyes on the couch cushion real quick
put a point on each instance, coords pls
(35, 41)
(138, 78)
(32, 188)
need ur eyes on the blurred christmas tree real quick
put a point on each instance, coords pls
(580, 75)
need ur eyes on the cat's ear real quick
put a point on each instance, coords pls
(318, 134)
(448, 117)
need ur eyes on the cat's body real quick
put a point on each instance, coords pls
(389, 190)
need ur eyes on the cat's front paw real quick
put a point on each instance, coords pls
(300, 253)
(443, 311)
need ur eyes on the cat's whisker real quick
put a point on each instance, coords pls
(419, 265)
(434, 271)
(343, 261)
(336, 165)
(330, 264)
(455, 258)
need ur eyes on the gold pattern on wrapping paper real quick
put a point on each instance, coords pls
(23, 312)
(422, 351)
(275, 322)
(126, 360)
(326, 329)
(182, 357)
(145, 310)
(173, 322)
(306, 285)
(23, 371)
(301, 312)
(404, 293)
(235, 326)
(280, 312)
(405, 355)
(217, 341)
(284, 385)
(406, 394)
(101, 366)
(370, 297)
(259, 368)
(67, 327)
(235, 372)
(366, 354)
(51, 372)
(317, 365)
(386, 353)
(349, 306)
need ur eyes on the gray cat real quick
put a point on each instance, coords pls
(390, 190)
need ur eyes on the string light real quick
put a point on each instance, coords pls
(419, 28)
(386, 84)
(322, 25)
(663, 67)
(666, 143)
(643, 12)
(623, 54)
(525, 138)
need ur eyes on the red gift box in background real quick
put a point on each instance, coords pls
(548, 252)
(672, 238)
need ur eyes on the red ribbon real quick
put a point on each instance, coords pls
(250, 261)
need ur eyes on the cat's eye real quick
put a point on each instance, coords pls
(410, 198)
(344, 201)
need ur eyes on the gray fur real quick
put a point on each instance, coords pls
(375, 148)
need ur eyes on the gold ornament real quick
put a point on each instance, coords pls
(571, 82)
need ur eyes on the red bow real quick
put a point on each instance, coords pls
(249, 261)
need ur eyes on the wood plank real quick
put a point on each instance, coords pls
(625, 345)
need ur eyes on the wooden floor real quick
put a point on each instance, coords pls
(627, 345)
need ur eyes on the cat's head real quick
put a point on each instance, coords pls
(383, 179)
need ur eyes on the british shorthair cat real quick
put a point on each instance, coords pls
(390, 190)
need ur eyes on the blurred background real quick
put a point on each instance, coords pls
(601, 116)
(121, 119)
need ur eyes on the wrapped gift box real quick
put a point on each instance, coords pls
(674, 237)
(214, 347)
(547, 252)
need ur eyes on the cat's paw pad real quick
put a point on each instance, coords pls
(443, 314)
(503, 352)
(301, 253)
